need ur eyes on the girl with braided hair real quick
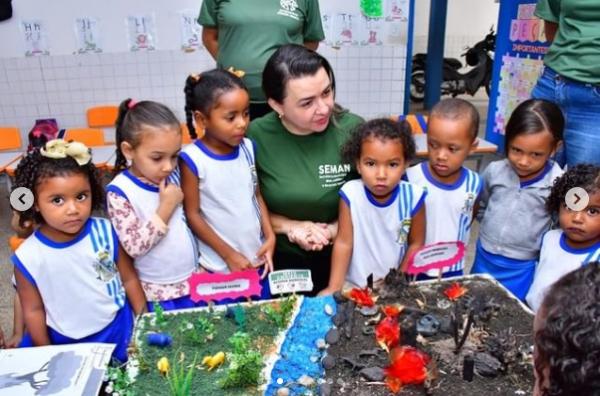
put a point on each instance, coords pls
(222, 200)
(577, 242)
(144, 203)
(72, 274)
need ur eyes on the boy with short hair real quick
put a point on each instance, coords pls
(452, 190)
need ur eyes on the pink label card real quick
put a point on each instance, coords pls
(436, 256)
(213, 287)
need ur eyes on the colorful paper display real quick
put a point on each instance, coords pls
(213, 287)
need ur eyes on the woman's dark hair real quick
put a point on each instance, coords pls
(289, 62)
(34, 168)
(586, 176)
(534, 116)
(133, 117)
(202, 92)
(383, 129)
(568, 342)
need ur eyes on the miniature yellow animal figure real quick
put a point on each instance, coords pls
(214, 361)
(163, 365)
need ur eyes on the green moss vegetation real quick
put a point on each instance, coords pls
(204, 333)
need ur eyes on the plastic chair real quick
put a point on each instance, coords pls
(418, 122)
(10, 138)
(88, 136)
(186, 138)
(102, 116)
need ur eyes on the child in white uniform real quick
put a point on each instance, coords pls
(144, 203)
(577, 243)
(381, 218)
(452, 190)
(222, 201)
(69, 270)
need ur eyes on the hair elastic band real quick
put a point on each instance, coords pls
(237, 73)
(59, 148)
(131, 104)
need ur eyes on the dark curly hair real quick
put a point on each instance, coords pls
(534, 116)
(586, 176)
(383, 129)
(202, 92)
(131, 120)
(34, 168)
(568, 342)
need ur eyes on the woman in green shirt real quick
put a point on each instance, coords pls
(298, 158)
(243, 34)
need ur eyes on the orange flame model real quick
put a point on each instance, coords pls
(392, 310)
(362, 297)
(408, 366)
(387, 333)
(455, 291)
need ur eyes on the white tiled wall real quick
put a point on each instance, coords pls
(370, 82)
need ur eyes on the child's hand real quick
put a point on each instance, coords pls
(13, 341)
(327, 291)
(237, 262)
(169, 194)
(22, 231)
(2, 342)
(265, 255)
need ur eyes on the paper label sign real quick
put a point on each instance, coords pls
(209, 286)
(436, 256)
(290, 281)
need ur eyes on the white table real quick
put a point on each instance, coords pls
(484, 147)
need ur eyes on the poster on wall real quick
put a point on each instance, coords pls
(520, 49)
(35, 37)
(142, 33)
(191, 31)
(87, 32)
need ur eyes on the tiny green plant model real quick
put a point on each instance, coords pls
(180, 376)
(281, 316)
(159, 314)
(200, 331)
(246, 365)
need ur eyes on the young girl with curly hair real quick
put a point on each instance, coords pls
(72, 274)
(577, 242)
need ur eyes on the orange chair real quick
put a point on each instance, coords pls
(10, 138)
(88, 136)
(418, 122)
(102, 116)
(186, 138)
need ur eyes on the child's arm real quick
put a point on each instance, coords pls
(342, 250)
(34, 313)
(18, 325)
(131, 282)
(416, 236)
(268, 247)
(191, 205)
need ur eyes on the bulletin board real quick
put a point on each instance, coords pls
(520, 48)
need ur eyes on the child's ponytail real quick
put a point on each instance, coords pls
(190, 83)
(121, 161)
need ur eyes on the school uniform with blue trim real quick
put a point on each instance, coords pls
(514, 221)
(379, 230)
(449, 208)
(173, 259)
(80, 286)
(557, 259)
(228, 203)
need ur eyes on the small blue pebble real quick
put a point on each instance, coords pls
(159, 339)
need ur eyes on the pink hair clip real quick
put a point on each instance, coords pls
(131, 104)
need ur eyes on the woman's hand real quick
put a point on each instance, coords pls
(308, 235)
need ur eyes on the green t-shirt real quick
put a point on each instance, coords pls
(575, 52)
(250, 31)
(300, 176)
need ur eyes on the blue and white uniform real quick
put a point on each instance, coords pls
(228, 201)
(175, 257)
(79, 285)
(379, 230)
(557, 259)
(449, 207)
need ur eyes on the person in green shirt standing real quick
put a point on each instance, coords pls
(243, 34)
(298, 160)
(571, 76)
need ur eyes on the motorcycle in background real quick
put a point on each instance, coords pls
(454, 82)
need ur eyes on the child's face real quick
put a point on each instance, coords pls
(155, 157)
(227, 122)
(308, 104)
(582, 228)
(449, 142)
(65, 203)
(528, 154)
(381, 165)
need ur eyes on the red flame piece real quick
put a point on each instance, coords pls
(362, 297)
(408, 366)
(391, 310)
(387, 332)
(455, 291)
